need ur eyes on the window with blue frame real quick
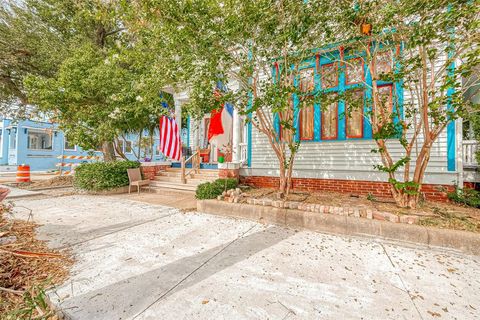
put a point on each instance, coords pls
(345, 74)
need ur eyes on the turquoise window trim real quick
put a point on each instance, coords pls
(249, 125)
(451, 131)
(334, 57)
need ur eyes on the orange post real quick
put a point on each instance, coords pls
(23, 173)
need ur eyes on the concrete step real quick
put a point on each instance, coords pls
(155, 185)
(178, 179)
(205, 171)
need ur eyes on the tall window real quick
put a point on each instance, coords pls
(39, 140)
(329, 121)
(383, 62)
(354, 112)
(286, 135)
(1, 141)
(329, 76)
(354, 71)
(306, 119)
(385, 96)
(306, 80)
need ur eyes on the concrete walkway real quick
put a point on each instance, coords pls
(141, 261)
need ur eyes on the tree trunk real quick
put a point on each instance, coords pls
(108, 151)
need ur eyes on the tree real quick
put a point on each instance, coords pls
(103, 88)
(31, 42)
(434, 45)
(250, 43)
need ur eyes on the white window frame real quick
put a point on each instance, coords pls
(65, 145)
(125, 146)
(39, 131)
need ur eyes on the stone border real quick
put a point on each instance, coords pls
(464, 241)
(357, 212)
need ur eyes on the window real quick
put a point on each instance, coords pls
(68, 146)
(1, 141)
(120, 145)
(39, 140)
(306, 119)
(329, 76)
(354, 71)
(13, 138)
(329, 121)
(128, 146)
(307, 80)
(286, 135)
(354, 115)
(385, 97)
(383, 62)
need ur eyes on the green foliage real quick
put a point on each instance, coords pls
(103, 175)
(211, 190)
(34, 305)
(407, 187)
(469, 197)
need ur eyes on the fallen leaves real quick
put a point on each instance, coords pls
(27, 266)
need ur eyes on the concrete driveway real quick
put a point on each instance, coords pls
(141, 261)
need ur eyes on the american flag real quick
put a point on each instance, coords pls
(170, 144)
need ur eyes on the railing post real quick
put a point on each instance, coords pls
(184, 180)
(198, 160)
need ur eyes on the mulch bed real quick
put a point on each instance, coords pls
(436, 214)
(27, 268)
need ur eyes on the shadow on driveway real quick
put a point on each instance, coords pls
(133, 296)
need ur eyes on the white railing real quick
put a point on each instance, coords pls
(243, 153)
(470, 148)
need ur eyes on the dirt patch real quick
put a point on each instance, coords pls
(436, 214)
(60, 181)
(27, 268)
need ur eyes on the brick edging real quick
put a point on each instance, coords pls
(464, 241)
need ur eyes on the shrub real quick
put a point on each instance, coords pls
(211, 190)
(469, 197)
(103, 175)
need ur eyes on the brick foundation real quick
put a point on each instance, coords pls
(149, 172)
(432, 192)
(228, 173)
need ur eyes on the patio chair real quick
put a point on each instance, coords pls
(135, 180)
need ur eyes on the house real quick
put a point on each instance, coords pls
(40, 144)
(335, 152)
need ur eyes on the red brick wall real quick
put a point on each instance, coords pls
(380, 189)
(149, 172)
(228, 173)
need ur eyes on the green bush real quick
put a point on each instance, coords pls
(469, 197)
(103, 175)
(211, 190)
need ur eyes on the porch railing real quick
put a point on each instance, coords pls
(243, 153)
(470, 148)
(195, 160)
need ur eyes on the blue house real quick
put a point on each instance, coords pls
(41, 143)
